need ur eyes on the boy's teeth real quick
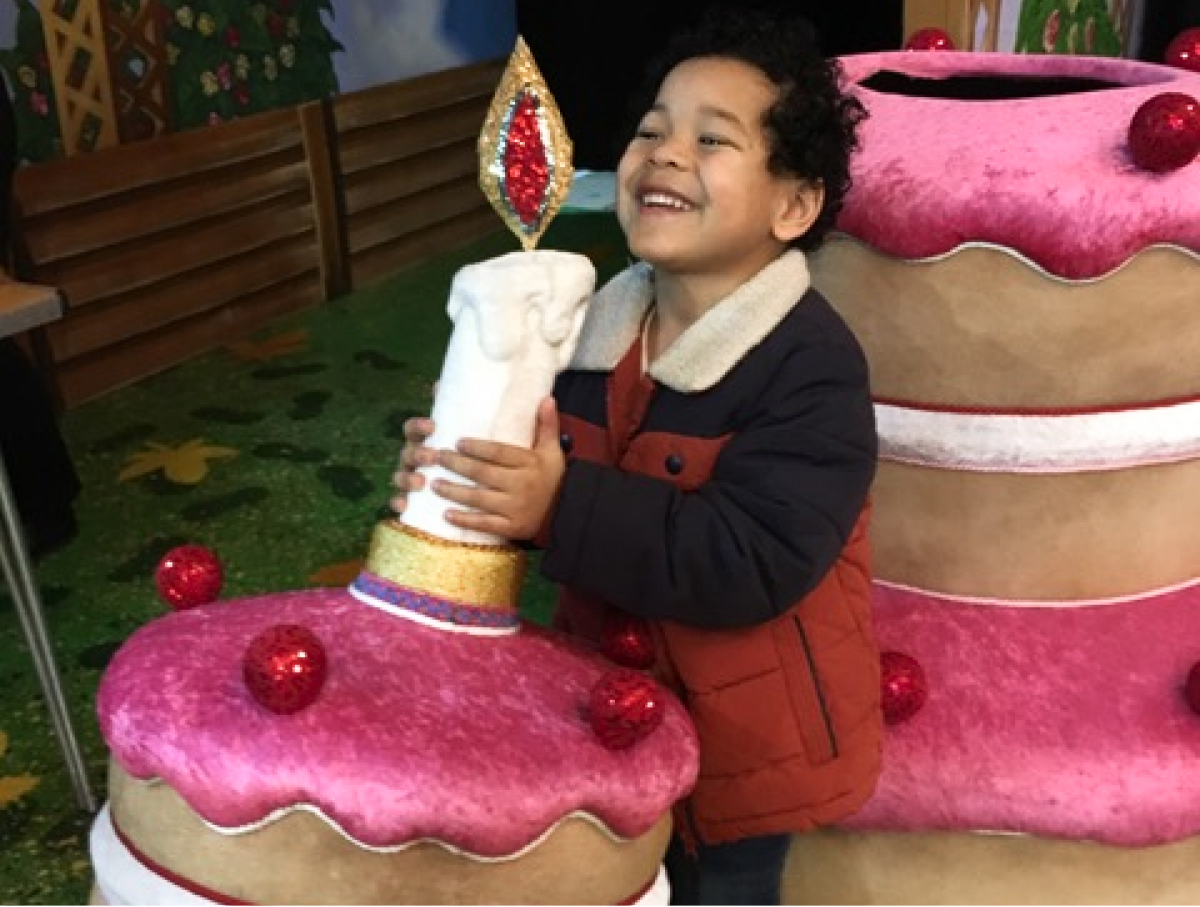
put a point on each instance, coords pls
(660, 199)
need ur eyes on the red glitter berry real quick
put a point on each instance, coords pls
(285, 667)
(1184, 50)
(903, 686)
(929, 39)
(627, 642)
(1164, 133)
(187, 576)
(625, 706)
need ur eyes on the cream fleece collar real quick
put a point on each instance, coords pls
(704, 353)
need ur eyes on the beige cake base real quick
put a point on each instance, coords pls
(301, 859)
(832, 867)
(1006, 536)
(982, 327)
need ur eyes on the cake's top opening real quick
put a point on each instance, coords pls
(984, 87)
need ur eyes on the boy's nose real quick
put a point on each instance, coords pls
(667, 153)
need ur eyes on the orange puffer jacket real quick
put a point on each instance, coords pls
(736, 528)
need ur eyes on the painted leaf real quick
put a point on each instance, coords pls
(273, 347)
(339, 574)
(184, 465)
(15, 787)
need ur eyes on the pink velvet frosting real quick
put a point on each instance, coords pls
(1048, 177)
(1066, 722)
(479, 743)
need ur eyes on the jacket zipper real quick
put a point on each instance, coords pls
(816, 681)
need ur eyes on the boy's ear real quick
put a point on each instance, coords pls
(799, 207)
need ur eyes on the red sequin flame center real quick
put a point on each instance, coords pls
(526, 168)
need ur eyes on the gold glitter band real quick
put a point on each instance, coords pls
(487, 576)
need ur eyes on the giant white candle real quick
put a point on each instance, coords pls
(516, 321)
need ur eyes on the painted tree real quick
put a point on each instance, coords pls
(231, 58)
(27, 70)
(1068, 27)
(128, 69)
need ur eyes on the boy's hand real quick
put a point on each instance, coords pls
(413, 455)
(515, 487)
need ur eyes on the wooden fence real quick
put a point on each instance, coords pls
(175, 245)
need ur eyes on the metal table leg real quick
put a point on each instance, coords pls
(18, 574)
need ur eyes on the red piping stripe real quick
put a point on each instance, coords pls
(984, 410)
(174, 878)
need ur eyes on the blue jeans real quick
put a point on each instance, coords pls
(748, 871)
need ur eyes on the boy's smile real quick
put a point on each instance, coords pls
(651, 199)
(695, 195)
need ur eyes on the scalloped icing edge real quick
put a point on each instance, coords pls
(284, 811)
(1021, 257)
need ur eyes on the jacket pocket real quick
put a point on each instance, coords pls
(807, 691)
(736, 692)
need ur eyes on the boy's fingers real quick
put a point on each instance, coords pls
(480, 454)
(407, 481)
(547, 431)
(470, 495)
(418, 428)
(412, 457)
(480, 522)
(457, 464)
(480, 500)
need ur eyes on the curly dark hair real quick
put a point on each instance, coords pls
(812, 126)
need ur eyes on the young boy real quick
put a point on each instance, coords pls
(704, 465)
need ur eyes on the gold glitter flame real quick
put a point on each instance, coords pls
(523, 80)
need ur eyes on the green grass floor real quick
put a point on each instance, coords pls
(301, 425)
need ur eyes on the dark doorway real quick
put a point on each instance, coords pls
(1162, 21)
(593, 54)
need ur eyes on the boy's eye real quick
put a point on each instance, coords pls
(645, 132)
(713, 140)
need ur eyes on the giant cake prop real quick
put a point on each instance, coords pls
(408, 739)
(1019, 256)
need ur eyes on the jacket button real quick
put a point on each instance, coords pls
(567, 442)
(674, 464)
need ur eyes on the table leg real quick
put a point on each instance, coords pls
(18, 574)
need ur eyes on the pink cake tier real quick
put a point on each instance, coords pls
(1059, 721)
(1054, 761)
(457, 739)
(1046, 176)
(1027, 299)
(421, 739)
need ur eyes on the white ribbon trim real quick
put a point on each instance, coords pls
(123, 879)
(1039, 442)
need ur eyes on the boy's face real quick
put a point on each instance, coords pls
(694, 195)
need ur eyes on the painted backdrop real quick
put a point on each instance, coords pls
(232, 58)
